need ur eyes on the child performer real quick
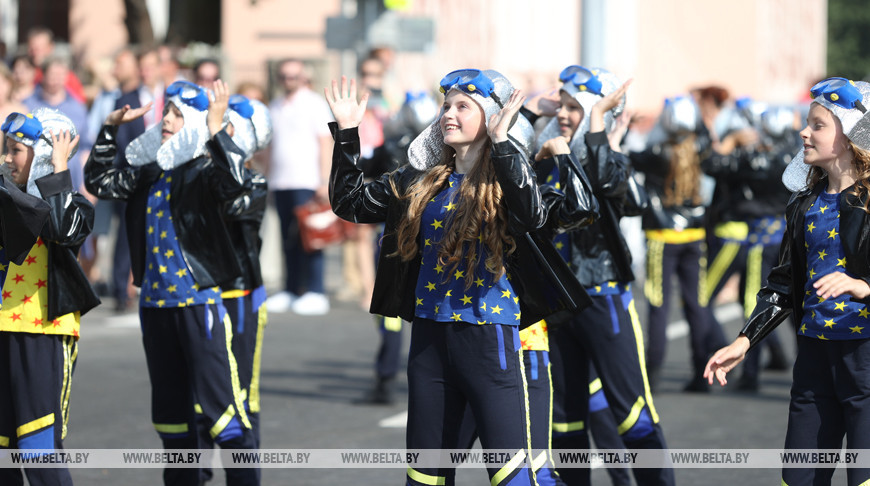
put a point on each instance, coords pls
(175, 197)
(457, 222)
(822, 282)
(44, 296)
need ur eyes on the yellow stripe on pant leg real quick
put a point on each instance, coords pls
(171, 428)
(565, 427)
(539, 462)
(515, 461)
(393, 324)
(703, 290)
(425, 478)
(526, 409)
(71, 353)
(753, 278)
(633, 415)
(594, 386)
(654, 262)
(720, 264)
(35, 425)
(222, 422)
(254, 393)
(4, 441)
(234, 372)
(641, 359)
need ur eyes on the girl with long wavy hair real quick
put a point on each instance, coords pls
(822, 282)
(458, 259)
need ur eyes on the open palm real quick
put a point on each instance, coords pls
(500, 123)
(347, 111)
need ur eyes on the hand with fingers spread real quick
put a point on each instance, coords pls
(500, 123)
(620, 127)
(62, 145)
(545, 103)
(126, 114)
(609, 102)
(217, 107)
(836, 284)
(725, 360)
(347, 111)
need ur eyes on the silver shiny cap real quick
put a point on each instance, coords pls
(680, 115)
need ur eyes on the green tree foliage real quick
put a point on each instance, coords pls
(849, 38)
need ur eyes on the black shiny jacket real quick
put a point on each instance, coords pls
(784, 292)
(199, 191)
(543, 282)
(655, 163)
(749, 180)
(23, 217)
(70, 221)
(599, 252)
(244, 215)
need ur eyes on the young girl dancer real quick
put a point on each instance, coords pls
(822, 282)
(457, 222)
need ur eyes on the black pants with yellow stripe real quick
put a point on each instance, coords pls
(456, 365)
(35, 375)
(686, 262)
(609, 334)
(188, 351)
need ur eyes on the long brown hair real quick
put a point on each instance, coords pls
(683, 181)
(861, 160)
(479, 217)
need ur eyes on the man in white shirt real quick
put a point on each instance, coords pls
(298, 171)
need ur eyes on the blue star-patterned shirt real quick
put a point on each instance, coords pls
(767, 231)
(442, 297)
(838, 318)
(167, 281)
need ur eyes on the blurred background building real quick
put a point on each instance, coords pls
(767, 49)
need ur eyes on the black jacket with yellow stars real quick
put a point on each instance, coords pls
(542, 281)
(783, 293)
(198, 193)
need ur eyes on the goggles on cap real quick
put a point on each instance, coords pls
(582, 78)
(22, 126)
(242, 106)
(472, 81)
(190, 94)
(839, 91)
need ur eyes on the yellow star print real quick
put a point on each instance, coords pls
(833, 233)
(823, 209)
(821, 299)
(436, 224)
(611, 285)
(483, 306)
(449, 293)
(822, 337)
(156, 249)
(162, 235)
(829, 323)
(181, 272)
(459, 274)
(159, 193)
(479, 282)
(804, 329)
(506, 293)
(560, 245)
(160, 214)
(428, 242)
(430, 286)
(841, 262)
(450, 206)
(465, 299)
(169, 253)
(163, 269)
(161, 303)
(823, 254)
(517, 315)
(439, 269)
(155, 286)
(150, 230)
(811, 227)
(840, 306)
(456, 317)
(856, 329)
(171, 288)
(419, 301)
(496, 310)
(812, 273)
(864, 313)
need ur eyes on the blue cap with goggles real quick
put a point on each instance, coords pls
(582, 78)
(241, 105)
(24, 128)
(190, 94)
(471, 81)
(839, 91)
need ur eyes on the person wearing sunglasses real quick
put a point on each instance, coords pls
(822, 281)
(175, 196)
(45, 292)
(458, 219)
(606, 335)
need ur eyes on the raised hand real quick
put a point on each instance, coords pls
(546, 103)
(126, 114)
(500, 122)
(609, 102)
(217, 107)
(347, 111)
(620, 127)
(554, 146)
(61, 147)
